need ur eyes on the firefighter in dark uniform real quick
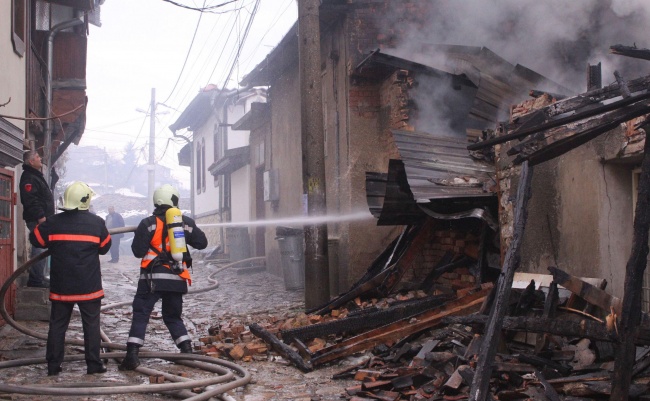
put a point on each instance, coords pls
(75, 239)
(160, 277)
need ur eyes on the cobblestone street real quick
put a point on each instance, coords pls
(245, 294)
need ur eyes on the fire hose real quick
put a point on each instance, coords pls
(215, 386)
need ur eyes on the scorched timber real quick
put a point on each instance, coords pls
(464, 305)
(364, 321)
(567, 328)
(589, 98)
(280, 347)
(630, 51)
(586, 291)
(518, 134)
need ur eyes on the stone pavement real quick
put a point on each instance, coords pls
(242, 293)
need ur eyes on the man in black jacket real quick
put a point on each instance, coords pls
(38, 204)
(75, 239)
(160, 276)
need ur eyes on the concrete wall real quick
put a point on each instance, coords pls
(285, 152)
(241, 194)
(580, 214)
(13, 68)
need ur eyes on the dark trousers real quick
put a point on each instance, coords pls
(172, 308)
(59, 321)
(115, 249)
(37, 271)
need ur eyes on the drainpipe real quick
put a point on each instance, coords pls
(47, 140)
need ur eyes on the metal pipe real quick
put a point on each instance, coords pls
(47, 140)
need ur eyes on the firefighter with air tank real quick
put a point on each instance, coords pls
(160, 240)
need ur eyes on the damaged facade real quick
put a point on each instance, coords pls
(384, 148)
(43, 63)
(581, 214)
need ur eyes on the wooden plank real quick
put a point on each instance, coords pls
(280, 347)
(584, 328)
(564, 145)
(592, 97)
(550, 305)
(560, 121)
(479, 388)
(402, 328)
(549, 391)
(588, 292)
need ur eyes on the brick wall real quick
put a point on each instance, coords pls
(459, 238)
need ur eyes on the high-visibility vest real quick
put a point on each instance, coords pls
(156, 243)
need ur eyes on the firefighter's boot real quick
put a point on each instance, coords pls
(131, 360)
(185, 347)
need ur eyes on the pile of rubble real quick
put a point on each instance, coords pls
(555, 345)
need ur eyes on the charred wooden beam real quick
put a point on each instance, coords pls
(588, 292)
(280, 347)
(567, 328)
(364, 321)
(560, 121)
(479, 388)
(537, 93)
(561, 147)
(539, 140)
(636, 265)
(543, 363)
(464, 305)
(549, 391)
(550, 305)
(622, 83)
(589, 98)
(630, 51)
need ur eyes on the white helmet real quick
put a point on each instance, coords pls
(77, 196)
(166, 195)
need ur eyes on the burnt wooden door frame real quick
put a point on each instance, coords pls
(7, 203)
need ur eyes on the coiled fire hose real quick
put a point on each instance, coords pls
(224, 380)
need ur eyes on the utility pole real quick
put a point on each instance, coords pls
(151, 167)
(313, 153)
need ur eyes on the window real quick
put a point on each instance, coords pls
(18, 31)
(198, 168)
(215, 149)
(204, 171)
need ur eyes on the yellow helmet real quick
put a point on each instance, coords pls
(166, 195)
(77, 196)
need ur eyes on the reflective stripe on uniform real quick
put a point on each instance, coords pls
(135, 340)
(108, 238)
(161, 276)
(39, 238)
(181, 339)
(74, 237)
(76, 297)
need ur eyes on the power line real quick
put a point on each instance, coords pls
(241, 45)
(202, 9)
(187, 56)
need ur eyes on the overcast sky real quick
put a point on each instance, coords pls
(143, 44)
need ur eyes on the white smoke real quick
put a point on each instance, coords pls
(556, 38)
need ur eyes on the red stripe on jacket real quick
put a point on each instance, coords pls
(76, 297)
